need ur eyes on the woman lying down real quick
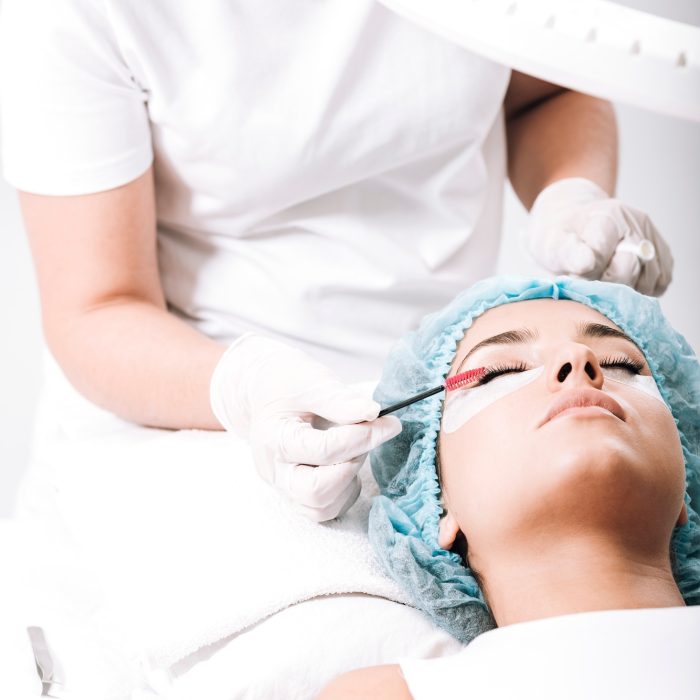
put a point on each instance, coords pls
(548, 515)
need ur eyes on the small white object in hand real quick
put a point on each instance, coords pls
(644, 250)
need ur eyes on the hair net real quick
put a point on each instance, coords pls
(404, 518)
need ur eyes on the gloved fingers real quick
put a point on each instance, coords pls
(624, 267)
(571, 255)
(663, 258)
(602, 231)
(640, 229)
(319, 487)
(665, 271)
(348, 497)
(335, 401)
(649, 277)
(334, 510)
(561, 251)
(301, 443)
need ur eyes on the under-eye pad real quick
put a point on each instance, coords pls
(461, 406)
(642, 382)
(404, 517)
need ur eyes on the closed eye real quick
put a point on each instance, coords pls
(623, 363)
(498, 370)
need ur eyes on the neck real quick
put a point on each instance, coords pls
(578, 577)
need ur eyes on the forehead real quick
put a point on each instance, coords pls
(548, 317)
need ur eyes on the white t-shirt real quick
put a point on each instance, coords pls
(325, 171)
(648, 654)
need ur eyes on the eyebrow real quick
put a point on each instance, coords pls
(526, 335)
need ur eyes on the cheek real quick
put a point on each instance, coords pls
(656, 438)
(660, 443)
(481, 465)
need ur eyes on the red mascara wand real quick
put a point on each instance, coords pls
(459, 381)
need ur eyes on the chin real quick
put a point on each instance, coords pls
(574, 444)
(602, 476)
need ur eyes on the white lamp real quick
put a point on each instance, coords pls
(592, 46)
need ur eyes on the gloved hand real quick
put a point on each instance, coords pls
(575, 228)
(277, 396)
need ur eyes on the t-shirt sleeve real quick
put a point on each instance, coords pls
(73, 118)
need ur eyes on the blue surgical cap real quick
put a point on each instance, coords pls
(404, 519)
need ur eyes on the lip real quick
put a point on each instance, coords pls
(579, 398)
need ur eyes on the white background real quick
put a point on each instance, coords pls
(659, 173)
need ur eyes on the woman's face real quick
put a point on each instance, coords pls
(515, 474)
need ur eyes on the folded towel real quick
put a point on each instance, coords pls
(187, 542)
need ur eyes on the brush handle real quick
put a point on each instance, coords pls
(644, 250)
(408, 402)
(459, 381)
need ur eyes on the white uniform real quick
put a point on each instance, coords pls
(644, 654)
(325, 171)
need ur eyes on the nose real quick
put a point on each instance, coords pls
(574, 365)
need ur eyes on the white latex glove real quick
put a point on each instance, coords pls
(576, 229)
(277, 397)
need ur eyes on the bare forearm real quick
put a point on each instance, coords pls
(139, 362)
(567, 135)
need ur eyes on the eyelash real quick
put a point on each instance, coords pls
(622, 362)
(498, 370)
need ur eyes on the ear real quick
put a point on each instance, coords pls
(683, 517)
(447, 532)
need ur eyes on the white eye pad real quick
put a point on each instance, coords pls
(641, 382)
(463, 404)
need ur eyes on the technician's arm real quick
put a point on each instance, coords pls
(554, 133)
(103, 310)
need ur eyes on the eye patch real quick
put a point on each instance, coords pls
(463, 405)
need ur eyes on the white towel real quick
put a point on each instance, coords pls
(187, 542)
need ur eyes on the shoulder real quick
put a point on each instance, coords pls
(381, 682)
